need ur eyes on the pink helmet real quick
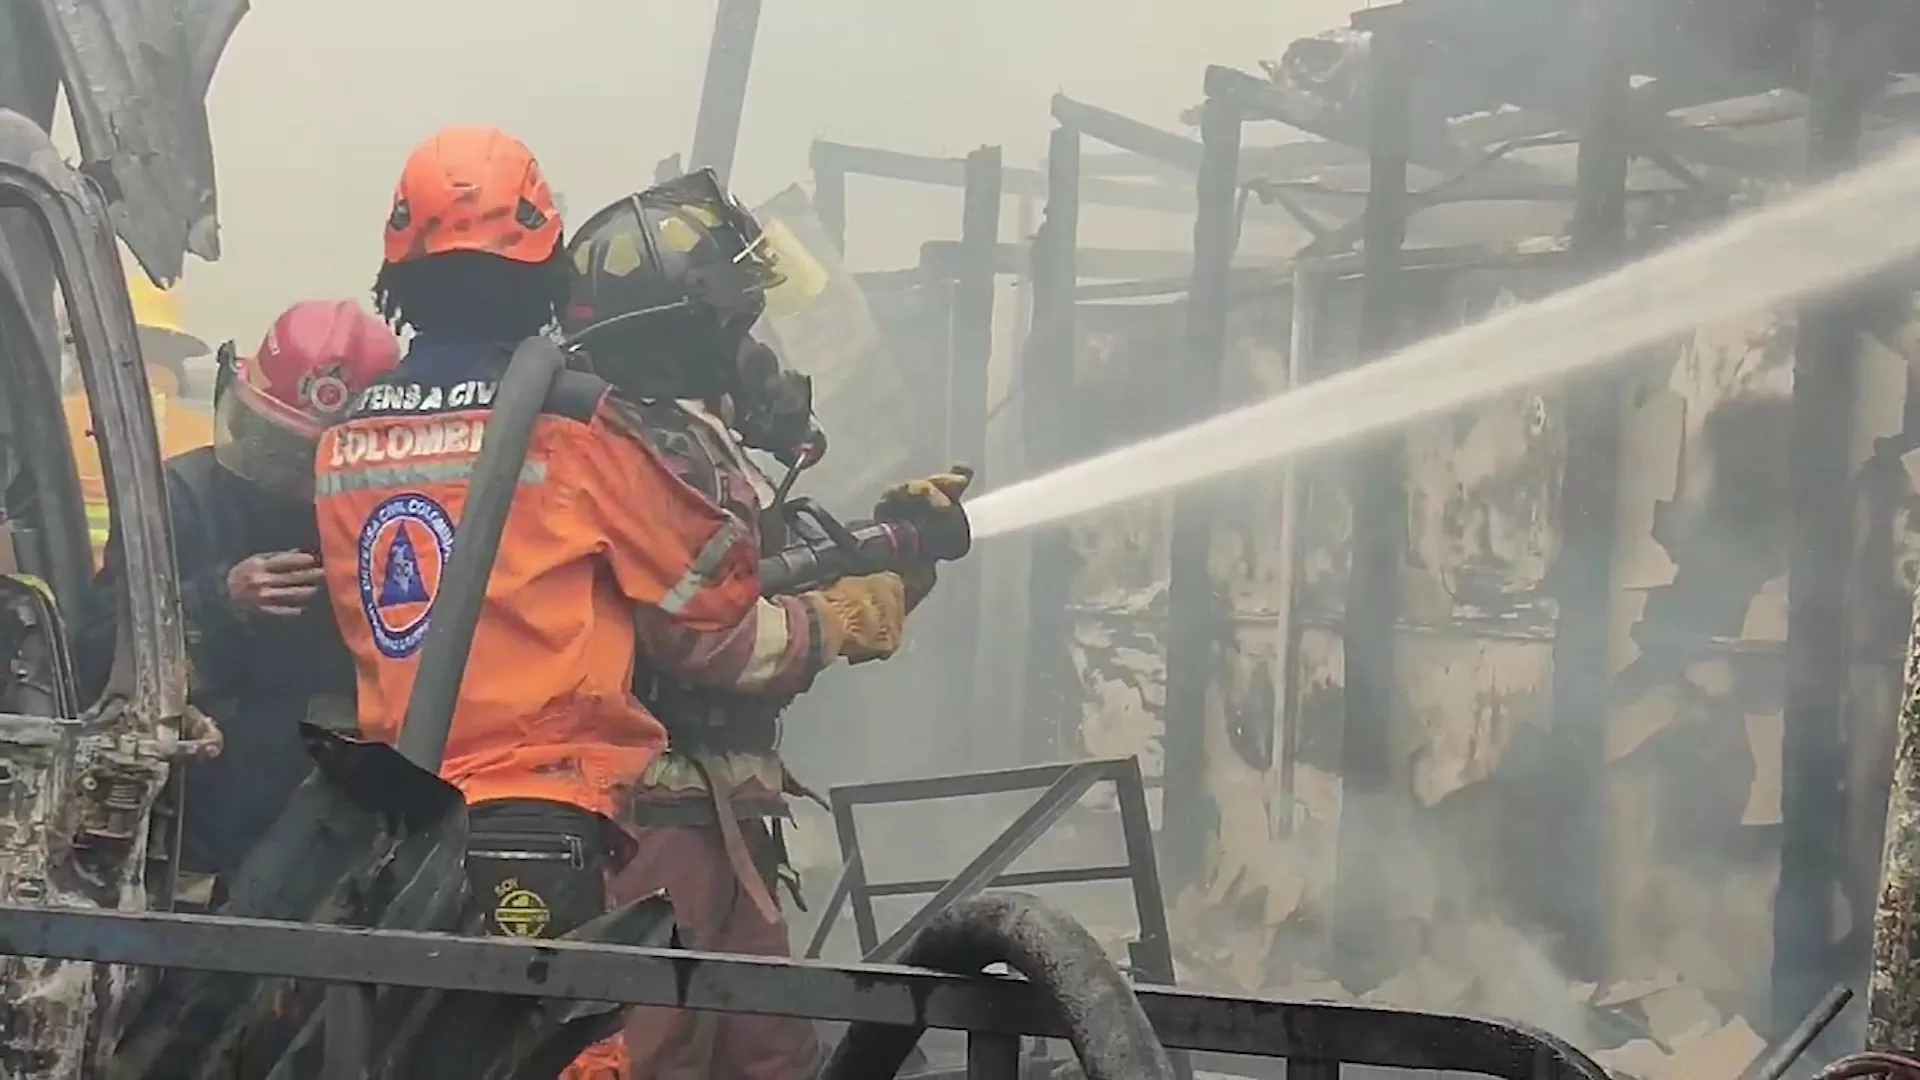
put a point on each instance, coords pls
(272, 406)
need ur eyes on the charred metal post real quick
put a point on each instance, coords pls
(970, 350)
(1378, 493)
(1047, 416)
(723, 96)
(1193, 605)
(1847, 76)
(30, 86)
(828, 162)
(830, 203)
(1574, 839)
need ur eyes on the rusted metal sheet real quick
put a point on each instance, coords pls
(137, 75)
(1474, 638)
(1483, 491)
(1694, 736)
(1118, 593)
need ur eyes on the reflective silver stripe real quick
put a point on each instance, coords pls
(379, 477)
(770, 640)
(703, 567)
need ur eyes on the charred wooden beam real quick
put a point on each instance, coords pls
(942, 258)
(723, 96)
(952, 172)
(1179, 156)
(1124, 163)
(830, 203)
(1047, 415)
(1377, 490)
(1574, 835)
(970, 350)
(1193, 631)
(1263, 101)
(1129, 134)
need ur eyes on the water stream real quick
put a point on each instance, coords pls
(1823, 238)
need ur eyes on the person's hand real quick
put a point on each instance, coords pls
(923, 497)
(932, 504)
(861, 616)
(279, 583)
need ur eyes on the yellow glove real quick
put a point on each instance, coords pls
(922, 499)
(927, 494)
(861, 617)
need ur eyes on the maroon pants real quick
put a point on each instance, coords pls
(714, 915)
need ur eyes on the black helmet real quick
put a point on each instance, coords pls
(666, 285)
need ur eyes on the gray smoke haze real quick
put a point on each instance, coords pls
(316, 105)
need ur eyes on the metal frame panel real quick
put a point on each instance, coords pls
(883, 994)
(1060, 786)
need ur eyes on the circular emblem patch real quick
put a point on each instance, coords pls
(404, 547)
(328, 394)
(520, 912)
(324, 389)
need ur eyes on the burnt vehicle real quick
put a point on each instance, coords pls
(78, 780)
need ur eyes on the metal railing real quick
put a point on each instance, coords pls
(1060, 788)
(994, 1011)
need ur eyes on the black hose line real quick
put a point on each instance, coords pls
(517, 406)
(1104, 1021)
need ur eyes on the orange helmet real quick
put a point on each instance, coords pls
(472, 189)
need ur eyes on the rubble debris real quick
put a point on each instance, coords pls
(1660, 1027)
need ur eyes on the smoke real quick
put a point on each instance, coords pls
(1450, 936)
(315, 106)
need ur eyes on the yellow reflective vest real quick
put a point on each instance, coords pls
(181, 425)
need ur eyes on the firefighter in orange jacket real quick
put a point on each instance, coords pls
(667, 285)
(547, 733)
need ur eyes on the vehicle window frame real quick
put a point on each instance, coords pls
(68, 210)
(41, 452)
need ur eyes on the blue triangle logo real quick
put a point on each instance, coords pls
(403, 584)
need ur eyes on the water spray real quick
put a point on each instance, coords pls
(1822, 239)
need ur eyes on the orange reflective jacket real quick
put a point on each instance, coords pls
(599, 526)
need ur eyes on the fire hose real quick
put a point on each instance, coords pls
(1872, 1063)
(1105, 1023)
(828, 550)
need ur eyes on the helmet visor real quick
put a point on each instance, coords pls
(801, 276)
(261, 441)
(721, 217)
